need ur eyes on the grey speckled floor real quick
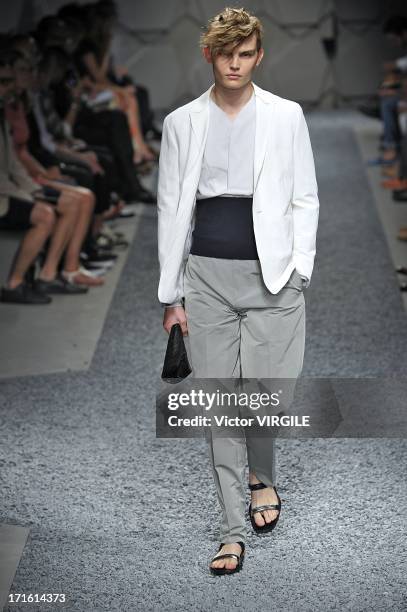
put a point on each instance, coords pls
(121, 521)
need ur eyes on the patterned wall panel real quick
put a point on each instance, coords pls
(298, 12)
(360, 10)
(292, 67)
(158, 40)
(295, 64)
(361, 57)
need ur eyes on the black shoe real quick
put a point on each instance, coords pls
(267, 526)
(145, 196)
(101, 266)
(400, 195)
(59, 286)
(372, 110)
(126, 214)
(221, 571)
(96, 256)
(24, 294)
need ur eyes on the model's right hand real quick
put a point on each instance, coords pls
(175, 314)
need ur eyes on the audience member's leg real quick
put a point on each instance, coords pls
(72, 261)
(146, 113)
(110, 128)
(67, 209)
(42, 218)
(403, 158)
(391, 135)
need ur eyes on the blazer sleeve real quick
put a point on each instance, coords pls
(305, 202)
(167, 190)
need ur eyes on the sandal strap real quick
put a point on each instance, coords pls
(227, 556)
(69, 276)
(257, 487)
(265, 507)
(241, 544)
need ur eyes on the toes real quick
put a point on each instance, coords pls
(217, 564)
(220, 562)
(268, 516)
(230, 563)
(259, 519)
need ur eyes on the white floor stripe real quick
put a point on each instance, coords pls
(392, 215)
(63, 335)
(12, 542)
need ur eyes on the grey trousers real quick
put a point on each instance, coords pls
(237, 328)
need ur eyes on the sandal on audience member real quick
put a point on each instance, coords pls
(81, 276)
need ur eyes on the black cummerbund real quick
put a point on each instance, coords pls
(224, 228)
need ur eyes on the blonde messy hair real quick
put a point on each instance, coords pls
(232, 25)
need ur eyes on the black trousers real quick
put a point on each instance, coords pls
(110, 129)
(99, 184)
(146, 113)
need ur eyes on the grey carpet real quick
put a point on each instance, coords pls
(120, 520)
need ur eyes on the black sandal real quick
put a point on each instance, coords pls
(252, 511)
(220, 571)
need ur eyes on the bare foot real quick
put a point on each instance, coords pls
(113, 211)
(263, 497)
(230, 562)
(83, 278)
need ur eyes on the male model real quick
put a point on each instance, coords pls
(237, 222)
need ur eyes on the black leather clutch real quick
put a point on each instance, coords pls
(176, 365)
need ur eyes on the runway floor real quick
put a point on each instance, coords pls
(120, 520)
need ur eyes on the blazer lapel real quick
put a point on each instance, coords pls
(199, 117)
(264, 109)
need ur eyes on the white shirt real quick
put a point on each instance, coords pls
(227, 166)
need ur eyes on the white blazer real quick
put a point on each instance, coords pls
(285, 197)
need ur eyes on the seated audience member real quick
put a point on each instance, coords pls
(391, 96)
(84, 198)
(23, 206)
(51, 154)
(394, 103)
(19, 210)
(93, 60)
(70, 221)
(51, 176)
(107, 130)
(72, 15)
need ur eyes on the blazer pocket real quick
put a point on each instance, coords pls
(295, 281)
(298, 280)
